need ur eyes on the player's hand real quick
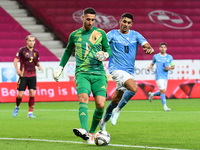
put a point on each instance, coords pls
(19, 72)
(148, 50)
(148, 69)
(39, 67)
(101, 55)
(167, 68)
(57, 73)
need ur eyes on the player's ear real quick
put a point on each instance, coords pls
(82, 17)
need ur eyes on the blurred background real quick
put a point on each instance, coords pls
(176, 23)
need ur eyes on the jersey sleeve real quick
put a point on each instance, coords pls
(18, 54)
(105, 44)
(141, 40)
(154, 59)
(110, 36)
(68, 51)
(171, 62)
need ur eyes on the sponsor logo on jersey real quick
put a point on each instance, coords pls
(102, 21)
(103, 87)
(79, 40)
(170, 19)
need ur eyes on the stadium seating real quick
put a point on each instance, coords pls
(182, 43)
(12, 37)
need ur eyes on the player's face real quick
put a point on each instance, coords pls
(163, 49)
(88, 21)
(30, 42)
(125, 25)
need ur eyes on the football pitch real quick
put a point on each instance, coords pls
(141, 125)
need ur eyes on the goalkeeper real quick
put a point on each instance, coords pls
(90, 75)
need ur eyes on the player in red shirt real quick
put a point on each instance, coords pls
(29, 58)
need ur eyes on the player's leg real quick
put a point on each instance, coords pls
(21, 86)
(162, 84)
(83, 88)
(126, 83)
(114, 102)
(32, 87)
(99, 90)
(151, 95)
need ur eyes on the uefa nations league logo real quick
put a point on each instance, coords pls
(102, 21)
(9, 75)
(170, 19)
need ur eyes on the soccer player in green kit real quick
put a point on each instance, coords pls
(91, 48)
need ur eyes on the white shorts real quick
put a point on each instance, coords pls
(120, 77)
(162, 84)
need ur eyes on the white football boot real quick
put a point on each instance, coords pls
(91, 138)
(81, 133)
(150, 96)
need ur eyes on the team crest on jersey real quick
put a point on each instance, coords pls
(94, 36)
(27, 54)
(34, 54)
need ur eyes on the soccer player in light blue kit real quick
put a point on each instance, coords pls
(124, 45)
(164, 62)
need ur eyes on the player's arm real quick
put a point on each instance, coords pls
(149, 68)
(147, 48)
(107, 52)
(39, 66)
(67, 53)
(16, 60)
(172, 66)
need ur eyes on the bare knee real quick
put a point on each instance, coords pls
(83, 98)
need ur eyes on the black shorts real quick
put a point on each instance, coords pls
(26, 81)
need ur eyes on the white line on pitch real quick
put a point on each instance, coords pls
(6, 110)
(75, 142)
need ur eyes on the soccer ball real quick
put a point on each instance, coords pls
(102, 138)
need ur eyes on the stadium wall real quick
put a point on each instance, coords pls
(183, 82)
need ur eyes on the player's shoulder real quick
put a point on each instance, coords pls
(99, 30)
(35, 50)
(170, 56)
(113, 32)
(156, 55)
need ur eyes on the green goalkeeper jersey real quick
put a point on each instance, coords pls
(87, 44)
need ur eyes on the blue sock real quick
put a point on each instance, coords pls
(108, 113)
(163, 99)
(125, 98)
(157, 93)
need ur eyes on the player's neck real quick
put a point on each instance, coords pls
(163, 54)
(30, 48)
(124, 32)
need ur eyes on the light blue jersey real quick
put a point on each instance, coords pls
(161, 62)
(124, 49)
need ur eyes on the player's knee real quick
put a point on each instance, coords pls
(134, 89)
(162, 91)
(100, 106)
(83, 98)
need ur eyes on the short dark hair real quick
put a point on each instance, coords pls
(89, 10)
(128, 15)
(163, 44)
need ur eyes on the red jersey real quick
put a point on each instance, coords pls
(28, 61)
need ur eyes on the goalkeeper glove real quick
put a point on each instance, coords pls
(101, 55)
(57, 73)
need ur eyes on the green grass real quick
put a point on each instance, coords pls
(140, 124)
